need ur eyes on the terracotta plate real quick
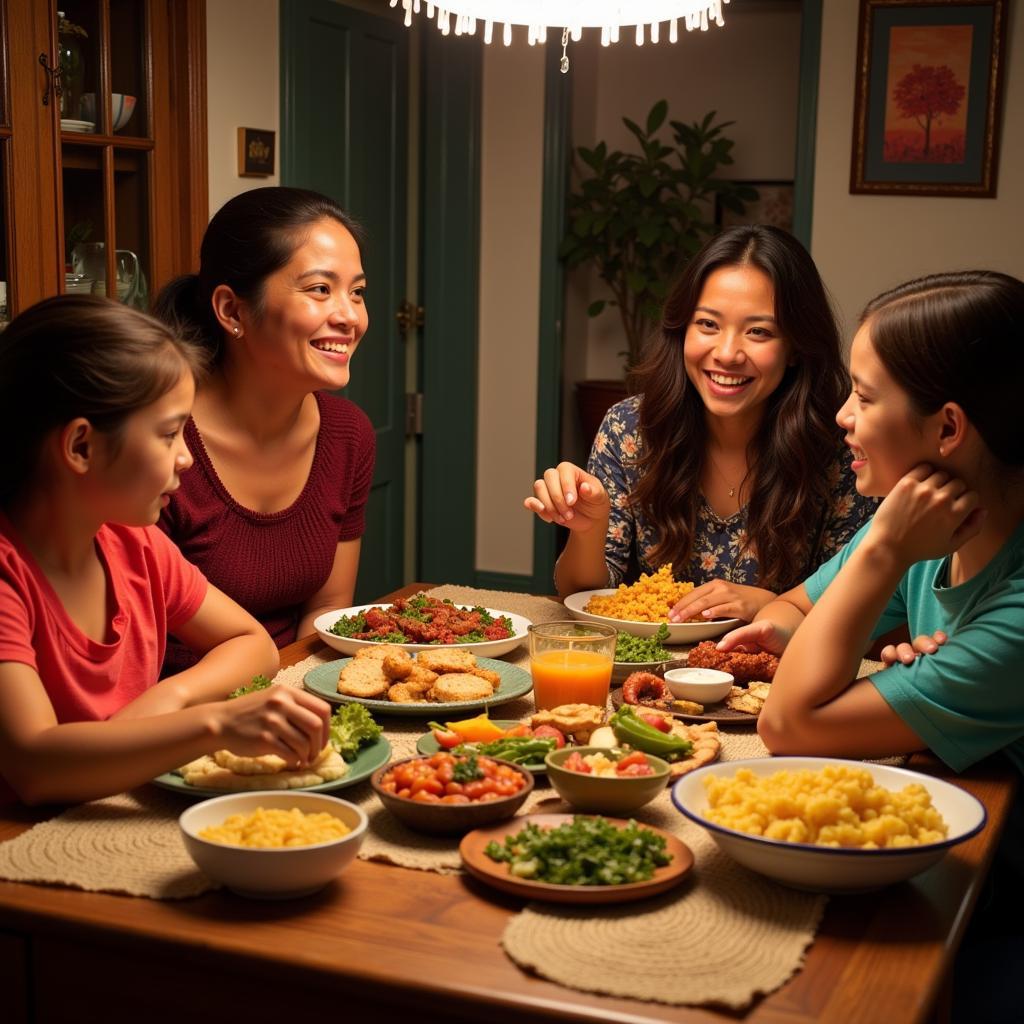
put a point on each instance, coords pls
(719, 712)
(495, 873)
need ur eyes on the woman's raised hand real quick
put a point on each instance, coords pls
(719, 599)
(569, 496)
(280, 720)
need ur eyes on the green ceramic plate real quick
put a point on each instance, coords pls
(427, 745)
(323, 681)
(369, 760)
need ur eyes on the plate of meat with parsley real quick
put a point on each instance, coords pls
(420, 623)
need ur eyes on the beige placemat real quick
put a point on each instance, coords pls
(124, 844)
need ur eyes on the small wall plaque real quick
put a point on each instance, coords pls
(255, 153)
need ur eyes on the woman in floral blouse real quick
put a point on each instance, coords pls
(728, 463)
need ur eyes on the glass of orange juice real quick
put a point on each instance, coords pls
(571, 663)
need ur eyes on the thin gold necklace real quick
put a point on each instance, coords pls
(725, 479)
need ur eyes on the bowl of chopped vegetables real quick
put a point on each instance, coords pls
(449, 794)
(642, 654)
(606, 780)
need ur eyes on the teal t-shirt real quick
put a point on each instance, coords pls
(966, 701)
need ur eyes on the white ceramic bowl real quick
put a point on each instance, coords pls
(483, 649)
(275, 874)
(678, 632)
(704, 685)
(122, 106)
(823, 868)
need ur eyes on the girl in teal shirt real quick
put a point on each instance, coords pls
(934, 425)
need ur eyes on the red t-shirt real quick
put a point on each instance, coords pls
(271, 563)
(153, 589)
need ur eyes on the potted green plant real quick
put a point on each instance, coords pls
(638, 216)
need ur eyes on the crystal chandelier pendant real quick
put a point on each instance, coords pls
(571, 16)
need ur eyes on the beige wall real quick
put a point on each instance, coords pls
(746, 71)
(864, 244)
(510, 212)
(242, 86)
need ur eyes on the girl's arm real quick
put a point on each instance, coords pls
(339, 589)
(813, 707)
(45, 762)
(235, 647)
(773, 626)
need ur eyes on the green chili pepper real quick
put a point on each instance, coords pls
(630, 728)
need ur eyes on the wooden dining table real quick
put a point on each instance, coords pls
(385, 943)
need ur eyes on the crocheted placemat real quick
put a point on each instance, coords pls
(128, 844)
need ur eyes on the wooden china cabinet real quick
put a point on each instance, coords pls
(102, 146)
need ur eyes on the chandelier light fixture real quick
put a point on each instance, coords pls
(571, 16)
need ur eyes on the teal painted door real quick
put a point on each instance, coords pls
(344, 116)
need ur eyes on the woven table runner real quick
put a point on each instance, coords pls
(723, 936)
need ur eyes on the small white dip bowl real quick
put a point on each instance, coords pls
(704, 685)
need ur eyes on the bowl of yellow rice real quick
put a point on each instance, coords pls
(825, 824)
(273, 845)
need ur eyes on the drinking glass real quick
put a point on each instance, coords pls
(571, 663)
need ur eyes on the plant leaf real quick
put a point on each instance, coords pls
(656, 118)
(596, 308)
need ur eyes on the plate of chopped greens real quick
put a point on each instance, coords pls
(422, 623)
(565, 858)
(644, 654)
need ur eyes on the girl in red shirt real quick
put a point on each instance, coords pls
(93, 398)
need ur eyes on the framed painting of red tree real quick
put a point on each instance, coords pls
(927, 107)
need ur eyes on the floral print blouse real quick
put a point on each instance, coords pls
(716, 553)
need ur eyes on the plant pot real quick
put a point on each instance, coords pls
(593, 399)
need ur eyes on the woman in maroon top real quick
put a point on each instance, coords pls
(273, 509)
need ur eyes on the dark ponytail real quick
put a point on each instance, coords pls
(249, 238)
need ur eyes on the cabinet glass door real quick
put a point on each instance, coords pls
(78, 31)
(85, 221)
(129, 69)
(106, 152)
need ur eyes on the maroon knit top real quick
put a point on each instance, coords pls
(272, 563)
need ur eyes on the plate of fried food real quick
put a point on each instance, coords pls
(356, 749)
(642, 608)
(419, 623)
(388, 679)
(753, 674)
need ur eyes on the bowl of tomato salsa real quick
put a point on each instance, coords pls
(449, 794)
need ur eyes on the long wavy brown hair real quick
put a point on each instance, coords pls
(798, 438)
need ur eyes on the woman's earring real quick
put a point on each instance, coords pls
(236, 332)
